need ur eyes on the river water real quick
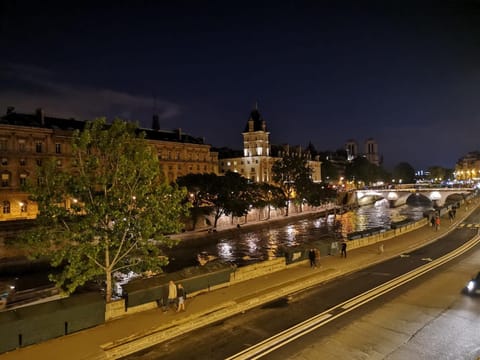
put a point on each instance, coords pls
(245, 247)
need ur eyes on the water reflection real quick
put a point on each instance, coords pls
(266, 243)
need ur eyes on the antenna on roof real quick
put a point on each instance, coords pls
(155, 117)
(256, 104)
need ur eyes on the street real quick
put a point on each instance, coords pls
(234, 335)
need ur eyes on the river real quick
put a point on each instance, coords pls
(267, 242)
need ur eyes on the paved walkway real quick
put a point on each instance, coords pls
(119, 337)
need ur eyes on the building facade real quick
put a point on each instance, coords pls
(370, 151)
(258, 157)
(467, 168)
(26, 140)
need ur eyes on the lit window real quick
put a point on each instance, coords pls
(23, 206)
(59, 162)
(5, 179)
(6, 207)
(23, 179)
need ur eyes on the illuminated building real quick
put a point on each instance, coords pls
(26, 140)
(258, 156)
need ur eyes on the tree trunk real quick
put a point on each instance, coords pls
(108, 286)
(108, 275)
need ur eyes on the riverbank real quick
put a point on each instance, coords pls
(255, 224)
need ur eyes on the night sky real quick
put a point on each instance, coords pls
(406, 73)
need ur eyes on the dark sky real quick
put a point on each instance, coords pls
(406, 73)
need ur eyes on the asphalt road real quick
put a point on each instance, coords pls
(229, 337)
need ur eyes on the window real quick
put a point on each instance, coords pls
(58, 148)
(23, 206)
(23, 179)
(3, 144)
(23, 162)
(38, 147)
(4, 161)
(21, 145)
(39, 162)
(6, 207)
(5, 179)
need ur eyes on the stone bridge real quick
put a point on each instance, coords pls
(398, 197)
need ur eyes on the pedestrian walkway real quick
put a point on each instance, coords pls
(134, 332)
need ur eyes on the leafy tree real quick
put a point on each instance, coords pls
(319, 193)
(360, 169)
(329, 171)
(268, 195)
(120, 208)
(292, 175)
(201, 193)
(232, 196)
(405, 172)
(438, 172)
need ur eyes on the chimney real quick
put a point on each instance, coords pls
(179, 133)
(41, 116)
(155, 122)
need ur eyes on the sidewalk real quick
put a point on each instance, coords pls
(131, 333)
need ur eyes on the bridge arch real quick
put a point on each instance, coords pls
(398, 197)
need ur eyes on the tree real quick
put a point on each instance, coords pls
(404, 172)
(329, 171)
(439, 173)
(268, 195)
(232, 196)
(319, 193)
(121, 208)
(201, 193)
(292, 175)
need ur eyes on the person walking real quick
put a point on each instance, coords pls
(311, 256)
(437, 223)
(181, 298)
(172, 294)
(344, 249)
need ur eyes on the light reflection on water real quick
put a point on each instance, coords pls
(267, 242)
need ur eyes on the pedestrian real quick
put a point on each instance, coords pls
(432, 221)
(311, 256)
(437, 223)
(450, 215)
(172, 294)
(181, 297)
(344, 249)
(317, 257)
